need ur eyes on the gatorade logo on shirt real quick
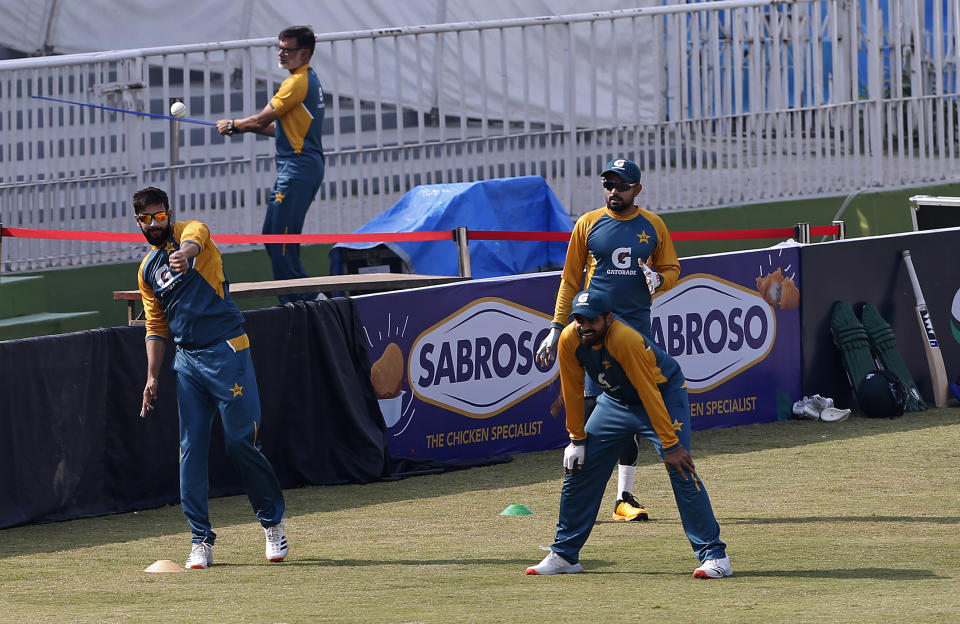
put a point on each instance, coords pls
(621, 258)
(164, 276)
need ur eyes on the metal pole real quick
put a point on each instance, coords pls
(842, 232)
(463, 250)
(174, 158)
(801, 233)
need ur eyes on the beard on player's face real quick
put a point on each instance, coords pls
(618, 201)
(157, 235)
(591, 331)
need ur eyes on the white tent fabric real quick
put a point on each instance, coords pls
(73, 26)
(546, 73)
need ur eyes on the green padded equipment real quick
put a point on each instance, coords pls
(884, 345)
(852, 341)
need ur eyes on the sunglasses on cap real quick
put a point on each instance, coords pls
(147, 219)
(620, 187)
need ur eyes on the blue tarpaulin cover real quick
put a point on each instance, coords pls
(504, 204)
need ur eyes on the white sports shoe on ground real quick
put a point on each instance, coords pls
(812, 407)
(201, 556)
(555, 564)
(714, 568)
(277, 549)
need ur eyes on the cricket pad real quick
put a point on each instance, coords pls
(884, 345)
(851, 339)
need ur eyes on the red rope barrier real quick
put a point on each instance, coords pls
(122, 237)
(133, 237)
(677, 236)
(732, 234)
(824, 230)
(380, 237)
(517, 236)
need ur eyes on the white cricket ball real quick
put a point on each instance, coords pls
(178, 109)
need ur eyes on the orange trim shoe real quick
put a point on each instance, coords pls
(555, 564)
(201, 556)
(714, 568)
(628, 509)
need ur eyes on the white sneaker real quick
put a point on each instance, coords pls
(834, 414)
(201, 556)
(555, 564)
(714, 568)
(812, 407)
(276, 543)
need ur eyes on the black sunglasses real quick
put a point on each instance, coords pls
(620, 187)
(283, 50)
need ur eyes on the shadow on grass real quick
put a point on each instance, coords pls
(880, 574)
(856, 519)
(602, 567)
(363, 563)
(591, 565)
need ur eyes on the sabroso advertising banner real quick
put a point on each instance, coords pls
(454, 370)
(733, 324)
(455, 374)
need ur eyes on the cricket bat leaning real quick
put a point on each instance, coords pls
(931, 346)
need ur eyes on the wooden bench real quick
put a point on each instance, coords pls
(365, 282)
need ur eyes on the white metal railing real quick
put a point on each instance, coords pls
(721, 103)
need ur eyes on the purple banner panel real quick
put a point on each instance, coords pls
(733, 324)
(454, 370)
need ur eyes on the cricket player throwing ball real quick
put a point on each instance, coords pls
(644, 393)
(185, 294)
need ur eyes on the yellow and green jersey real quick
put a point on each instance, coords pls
(610, 248)
(195, 307)
(629, 368)
(299, 106)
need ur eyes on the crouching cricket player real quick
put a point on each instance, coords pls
(644, 393)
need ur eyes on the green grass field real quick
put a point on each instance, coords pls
(825, 522)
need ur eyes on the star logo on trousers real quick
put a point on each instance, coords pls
(237, 390)
(278, 197)
(677, 425)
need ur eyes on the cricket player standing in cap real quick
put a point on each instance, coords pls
(644, 393)
(627, 254)
(186, 294)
